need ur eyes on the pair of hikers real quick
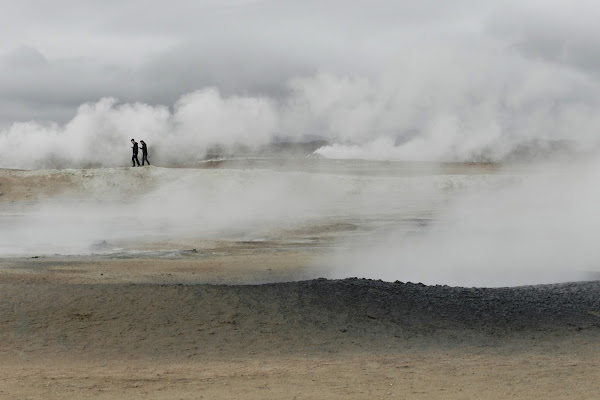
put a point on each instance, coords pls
(134, 158)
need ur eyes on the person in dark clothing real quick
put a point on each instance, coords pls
(144, 152)
(134, 158)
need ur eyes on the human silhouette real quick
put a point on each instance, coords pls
(144, 152)
(134, 158)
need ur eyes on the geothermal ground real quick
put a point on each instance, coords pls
(218, 317)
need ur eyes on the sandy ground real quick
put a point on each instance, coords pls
(424, 375)
(181, 326)
(84, 330)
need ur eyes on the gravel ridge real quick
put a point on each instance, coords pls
(419, 307)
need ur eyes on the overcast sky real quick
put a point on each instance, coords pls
(56, 56)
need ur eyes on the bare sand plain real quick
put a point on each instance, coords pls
(223, 319)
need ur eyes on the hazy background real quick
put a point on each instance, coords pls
(503, 81)
(459, 80)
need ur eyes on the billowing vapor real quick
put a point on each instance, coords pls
(513, 84)
(99, 134)
(536, 227)
(490, 105)
(160, 205)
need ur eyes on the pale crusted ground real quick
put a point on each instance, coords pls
(170, 326)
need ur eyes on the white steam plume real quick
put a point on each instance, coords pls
(533, 229)
(100, 133)
(453, 104)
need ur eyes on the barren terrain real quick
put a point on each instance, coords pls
(250, 321)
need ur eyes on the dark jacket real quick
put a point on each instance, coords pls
(144, 149)
(135, 148)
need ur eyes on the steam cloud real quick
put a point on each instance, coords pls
(462, 81)
(481, 107)
(533, 229)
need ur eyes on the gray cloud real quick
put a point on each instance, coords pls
(138, 51)
(552, 30)
(434, 79)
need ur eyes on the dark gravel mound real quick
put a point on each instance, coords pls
(420, 308)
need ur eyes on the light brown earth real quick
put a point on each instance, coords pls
(110, 339)
(155, 327)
